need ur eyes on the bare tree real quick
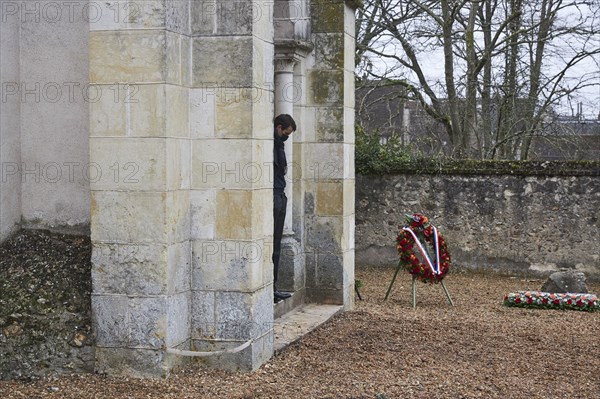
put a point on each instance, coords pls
(487, 70)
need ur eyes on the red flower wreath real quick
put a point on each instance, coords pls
(405, 243)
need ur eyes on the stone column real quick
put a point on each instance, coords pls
(140, 179)
(291, 47)
(328, 155)
(284, 84)
(231, 192)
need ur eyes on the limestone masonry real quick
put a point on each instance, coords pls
(160, 145)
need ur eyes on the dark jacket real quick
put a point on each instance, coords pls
(279, 163)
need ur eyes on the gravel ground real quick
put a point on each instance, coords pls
(387, 350)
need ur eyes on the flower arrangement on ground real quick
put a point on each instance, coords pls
(549, 300)
(422, 249)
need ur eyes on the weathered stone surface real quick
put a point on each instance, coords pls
(502, 223)
(329, 52)
(110, 320)
(141, 363)
(330, 124)
(127, 56)
(226, 17)
(129, 269)
(292, 273)
(233, 55)
(326, 87)
(132, 164)
(113, 211)
(566, 281)
(228, 265)
(330, 198)
(203, 214)
(178, 319)
(147, 322)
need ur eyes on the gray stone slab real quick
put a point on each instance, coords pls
(293, 325)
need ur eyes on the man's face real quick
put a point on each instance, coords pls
(284, 132)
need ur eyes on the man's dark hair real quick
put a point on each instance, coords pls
(285, 121)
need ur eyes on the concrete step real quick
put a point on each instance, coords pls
(293, 325)
(282, 307)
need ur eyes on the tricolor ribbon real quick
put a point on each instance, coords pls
(435, 266)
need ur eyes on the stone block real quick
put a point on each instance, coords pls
(330, 198)
(350, 27)
(228, 265)
(177, 16)
(203, 17)
(113, 213)
(327, 16)
(107, 114)
(179, 164)
(147, 110)
(329, 50)
(148, 322)
(243, 316)
(203, 315)
(330, 270)
(173, 58)
(228, 164)
(127, 56)
(263, 66)
(235, 217)
(292, 273)
(177, 111)
(325, 234)
(186, 61)
(349, 53)
(326, 87)
(229, 63)
(348, 279)
(225, 17)
(127, 164)
(323, 161)
(178, 316)
(330, 124)
(138, 363)
(109, 15)
(177, 216)
(349, 201)
(203, 214)
(147, 14)
(110, 320)
(202, 112)
(349, 125)
(179, 268)
(233, 112)
(247, 360)
(129, 269)
(349, 96)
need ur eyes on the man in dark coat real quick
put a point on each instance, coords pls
(284, 125)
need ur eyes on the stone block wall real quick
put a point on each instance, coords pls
(45, 169)
(165, 153)
(140, 213)
(326, 197)
(523, 225)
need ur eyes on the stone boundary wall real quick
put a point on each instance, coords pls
(519, 225)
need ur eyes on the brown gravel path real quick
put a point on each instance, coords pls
(478, 349)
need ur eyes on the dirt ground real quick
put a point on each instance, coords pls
(477, 349)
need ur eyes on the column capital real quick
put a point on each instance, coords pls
(291, 50)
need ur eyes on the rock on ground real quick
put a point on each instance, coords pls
(566, 281)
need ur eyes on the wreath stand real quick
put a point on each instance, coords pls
(414, 288)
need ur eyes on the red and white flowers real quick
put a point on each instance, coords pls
(549, 300)
(422, 249)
